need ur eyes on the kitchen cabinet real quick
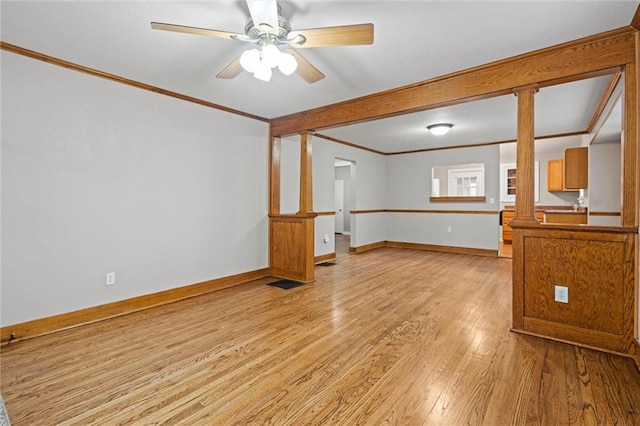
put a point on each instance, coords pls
(566, 216)
(570, 173)
(507, 232)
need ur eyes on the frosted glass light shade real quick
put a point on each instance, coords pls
(250, 60)
(440, 129)
(270, 55)
(262, 72)
(287, 64)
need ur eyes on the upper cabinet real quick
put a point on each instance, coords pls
(570, 173)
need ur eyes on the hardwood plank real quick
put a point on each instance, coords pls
(391, 336)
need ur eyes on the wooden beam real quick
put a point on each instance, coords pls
(588, 57)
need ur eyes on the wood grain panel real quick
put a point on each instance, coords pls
(596, 55)
(291, 247)
(592, 270)
(64, 321)
(597, 264)
(525, 156)
(112, 77)
(592, 213)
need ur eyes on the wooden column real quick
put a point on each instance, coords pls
(525, 157)
(306, 177)
(291, 236)
(629, 211)
(274, 175)
(525, 195)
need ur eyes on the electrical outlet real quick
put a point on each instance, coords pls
(326, 239)
(562, 294)
(111, 278)
(448, 229)
(492, 200)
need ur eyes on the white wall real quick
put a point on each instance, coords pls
(100, 177)
(368, 186)
(605, 191)
(409, 188)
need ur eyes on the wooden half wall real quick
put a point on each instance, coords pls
(596, 264)
(291, 236)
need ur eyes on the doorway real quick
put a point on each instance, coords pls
(344, 195)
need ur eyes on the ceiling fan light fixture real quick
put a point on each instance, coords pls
(287, 64)
(250, 60)
(270, 55)
(440, 129)
(263, 72)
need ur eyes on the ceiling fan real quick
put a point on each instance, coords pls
(274, 41)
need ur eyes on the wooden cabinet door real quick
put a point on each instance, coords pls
(576, 166)
(555, 175)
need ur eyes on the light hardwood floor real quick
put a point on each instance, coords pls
(390, 336)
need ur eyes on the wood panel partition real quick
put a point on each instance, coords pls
(596, 264)
(291, 236)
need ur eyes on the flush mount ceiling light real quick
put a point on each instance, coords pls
(440, 129)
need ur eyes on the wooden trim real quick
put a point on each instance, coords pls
(331, 213)
(444, 249)
(615, 78)
(629, 207)
(592, 56)
(495, 212)
(329, 257)
(112, 77)
(635, 22)
(366, 211)
(64, 321)
(591, 213)
(456, 199)
(570, 342)
(636, 357)
(368, 247)
(424, 211)
(331, 139)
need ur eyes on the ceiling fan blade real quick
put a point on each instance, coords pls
(231, 71)
(264, 12)
(305, 69)
(197, 31)
(347, 35)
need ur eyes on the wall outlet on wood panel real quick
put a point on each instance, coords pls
(562, 294)
(111, 278)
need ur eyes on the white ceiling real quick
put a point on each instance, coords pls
(414, 41)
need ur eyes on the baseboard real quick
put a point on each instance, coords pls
(426, 247)
(367, 247)
(444, 249)
(60, 322)
(329, 257)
